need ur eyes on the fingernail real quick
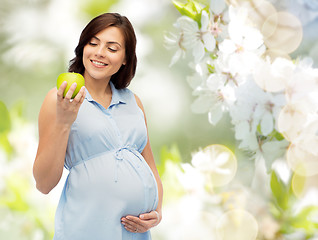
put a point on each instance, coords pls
(142, 216)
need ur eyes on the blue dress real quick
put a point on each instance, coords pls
(108, 177)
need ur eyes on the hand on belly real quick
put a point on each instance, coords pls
(141, 224)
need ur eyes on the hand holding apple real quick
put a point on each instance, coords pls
(69, 101)
(70, 78)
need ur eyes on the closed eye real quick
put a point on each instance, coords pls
(112, 50)
(92, 44)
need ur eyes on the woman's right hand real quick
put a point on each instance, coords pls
(56, 116)
(66, 107)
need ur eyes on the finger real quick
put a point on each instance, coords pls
(128, 221)
(61, 90)
(154, 216)
(83, 97)
(138, 223)
(132, 221)
(129, 228)
(132, 227)
(70, 92)
(79, 95)
(149, 216)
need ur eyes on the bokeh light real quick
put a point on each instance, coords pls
(291, 120)
(259, 10)
(299, 185)
(282, 31)
(303, 185)
(237, 224)
(301, 162)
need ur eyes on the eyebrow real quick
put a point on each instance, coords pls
(110, 42)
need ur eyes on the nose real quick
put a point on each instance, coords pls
(100, 51)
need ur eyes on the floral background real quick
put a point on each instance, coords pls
(230, 91)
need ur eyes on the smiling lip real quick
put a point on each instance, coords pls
(98, 63)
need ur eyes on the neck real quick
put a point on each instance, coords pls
(98, 89)
(102, 95)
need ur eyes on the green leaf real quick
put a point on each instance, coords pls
(191, 9)
(277, 135)
(14, 196)
(6, 145)
(303, 219)
(259, 130)
(213, 56)
(168, 155)
(204, 2)
(274, 210)
(211, 68)
(17, 110)
(174, 190)
(280, 192)
(5, 122)
(94, 8)
(170, 166)
(5, 127)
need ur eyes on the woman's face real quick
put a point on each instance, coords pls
(104, 54)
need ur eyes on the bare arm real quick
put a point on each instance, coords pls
(55, 119)
(148, 156)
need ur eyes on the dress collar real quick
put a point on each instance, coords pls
(118, 95)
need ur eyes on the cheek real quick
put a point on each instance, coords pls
(120, 59)
(85, 58)
(86, 52)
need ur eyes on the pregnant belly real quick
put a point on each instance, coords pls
(101, 190)
(111, 187)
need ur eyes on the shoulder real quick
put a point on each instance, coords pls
(139, 103)
(48, 105)
(126, 92)
(50, 97)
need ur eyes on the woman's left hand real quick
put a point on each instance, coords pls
(143, 223)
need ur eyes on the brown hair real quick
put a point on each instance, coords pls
(125, 74)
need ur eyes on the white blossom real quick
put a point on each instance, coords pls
(272, 103)
(254, 113)
(245, 44)
(218, 6)
(175, 41)
(192, 37)
(204, 163)
(273, 76)
(191, 179)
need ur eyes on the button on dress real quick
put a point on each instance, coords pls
(108, 177)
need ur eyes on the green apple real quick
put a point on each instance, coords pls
(70, 78)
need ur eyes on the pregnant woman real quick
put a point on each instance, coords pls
(113, 190)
